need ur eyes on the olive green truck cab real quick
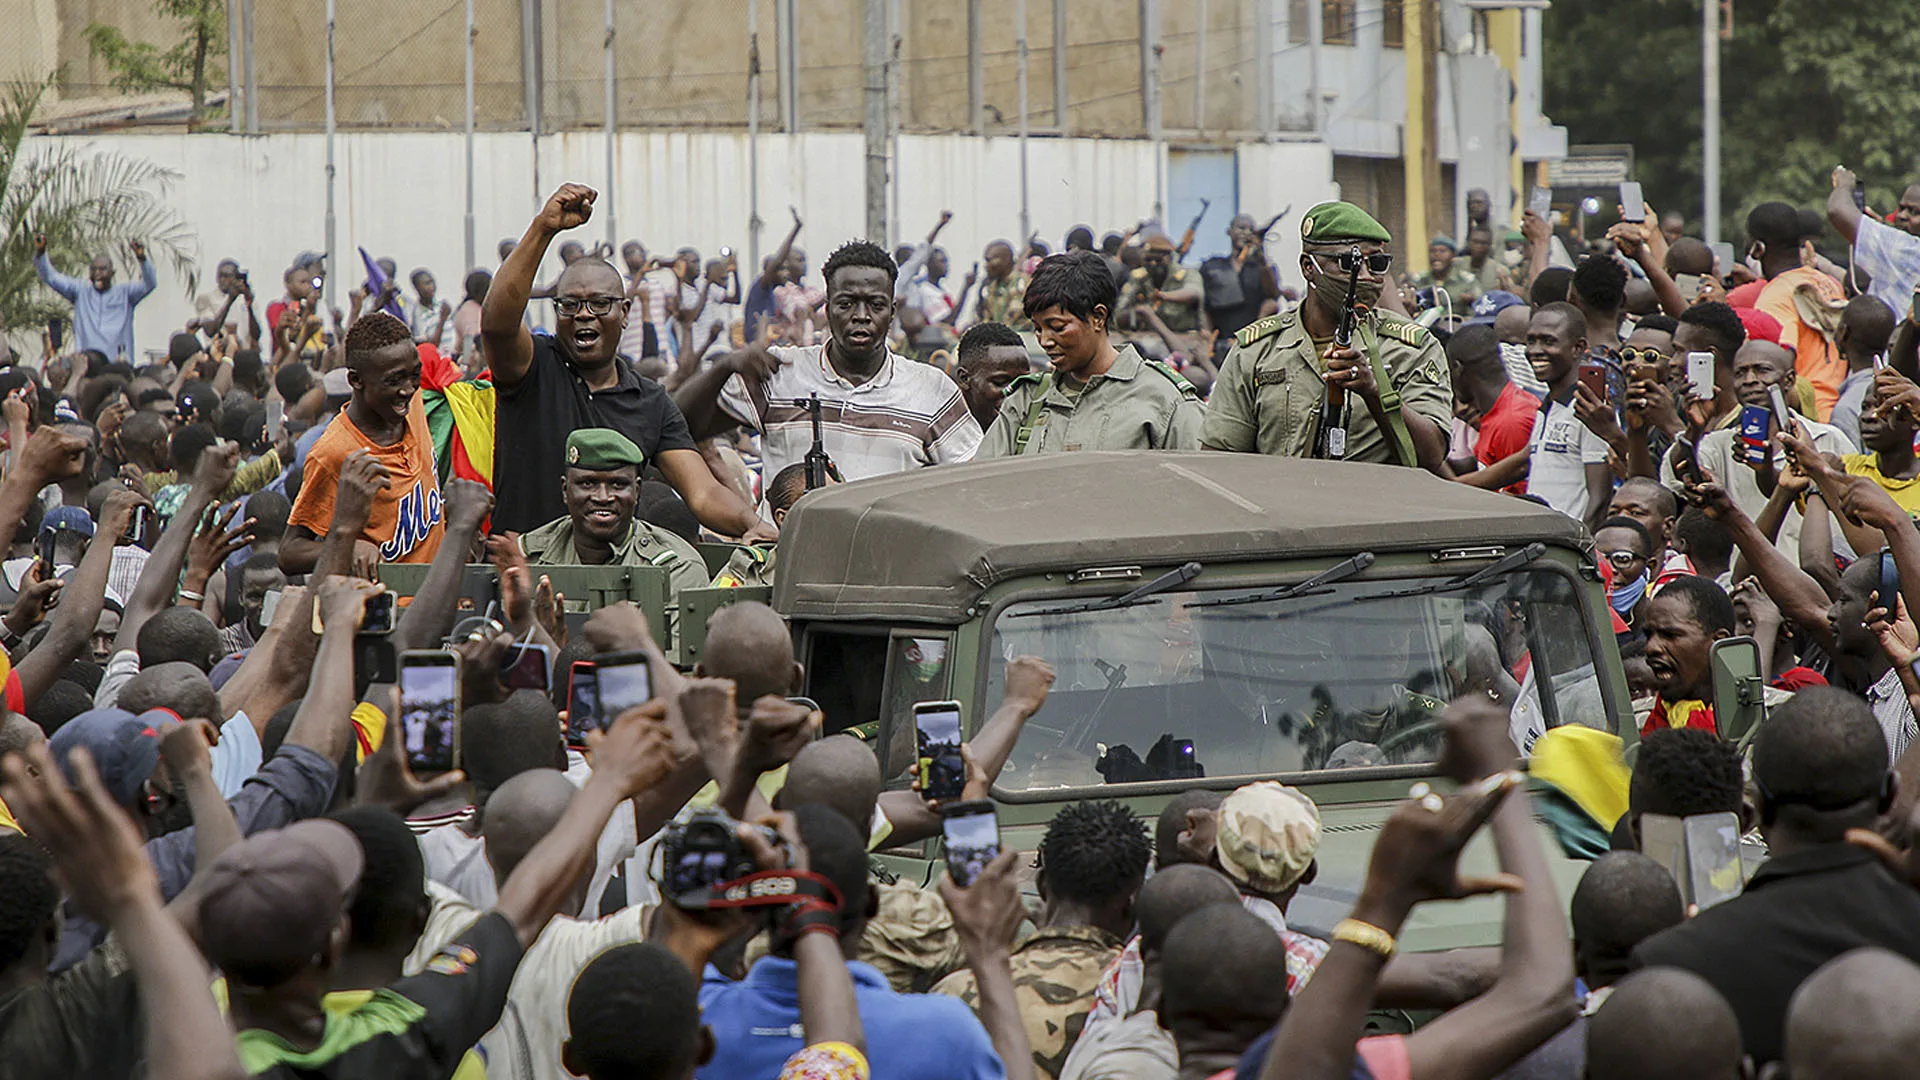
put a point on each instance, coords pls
(1213, 619)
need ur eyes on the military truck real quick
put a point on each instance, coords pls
(1213, 619)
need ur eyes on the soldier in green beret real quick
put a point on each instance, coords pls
(1268, 396)
(1098, 396)
(602, 491)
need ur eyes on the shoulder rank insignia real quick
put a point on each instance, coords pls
(1258, 329)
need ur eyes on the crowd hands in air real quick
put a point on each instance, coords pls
(216, 859)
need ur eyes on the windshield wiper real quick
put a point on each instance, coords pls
(1172, 579)
(1506, 565)
(1337, 572)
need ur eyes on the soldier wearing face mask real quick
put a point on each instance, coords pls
(1268, 396)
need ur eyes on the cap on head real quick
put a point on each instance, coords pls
(272, 901)
(1157, 240)
(125, 747)
(1268, 836)
(335, 383)
(72, 519)
(602, 448)
(1332, 222)
(1490, 305)
(1445, 241)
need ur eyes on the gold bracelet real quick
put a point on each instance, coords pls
(1367, 936)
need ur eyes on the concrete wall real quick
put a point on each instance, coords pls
(260, 200)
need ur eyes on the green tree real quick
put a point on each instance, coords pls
(85, 202)
(139, 66)
(1805, 85)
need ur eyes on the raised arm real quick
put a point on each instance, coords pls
(770, 272)
(987, 915)
(138, 290)
(503, 331)
(435, 607)
(80, 600)
(53, 279)
(324, 723)
(1632, 240)
(1799, 595)
(924, 251)
(1842, 214)
(1029, 680)
(160, 577)
(49, 456)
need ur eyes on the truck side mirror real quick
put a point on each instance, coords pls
(1739, 690)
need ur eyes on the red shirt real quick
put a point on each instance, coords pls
(1747, 295)
(1506, 429)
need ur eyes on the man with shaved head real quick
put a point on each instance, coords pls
(750, 644)
(1866, 328)
(550, 384)
(1858, 1018)
(1759, 367)
(1664, 1024)
(102, 311)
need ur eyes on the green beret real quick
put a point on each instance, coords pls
(1445, 241)
(1331, 222)
(602, 448)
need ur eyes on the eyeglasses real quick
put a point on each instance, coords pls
(1642, 354)
(1350, 260)
(595, 305)
(1623, 559)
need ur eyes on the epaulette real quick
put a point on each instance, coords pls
(1031, 378)
(1254, 331)
(1405, 331)
(1178, 380)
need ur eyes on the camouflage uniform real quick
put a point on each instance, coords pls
(1004, 301)
(1181, 316)
(911, 940)
(1055, 972)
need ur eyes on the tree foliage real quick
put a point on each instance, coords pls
(85, 202)
(139, 66)
(1804, 84)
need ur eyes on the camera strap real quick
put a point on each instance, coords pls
(768, 888)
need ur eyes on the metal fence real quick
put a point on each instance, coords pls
(1094, 67)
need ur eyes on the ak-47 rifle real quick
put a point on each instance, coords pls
(1332, 441)
(820, 467)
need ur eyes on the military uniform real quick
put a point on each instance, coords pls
(1268, 395)
(750, 564)
(1461, 284)
(1004, 301)
(646, 544)
(1181, 317)
(911, 939)
(1138, 404)
(1055, 972)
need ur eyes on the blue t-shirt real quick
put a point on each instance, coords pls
(759, 307)
(756, 1024)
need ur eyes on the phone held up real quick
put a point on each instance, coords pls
(583, 702)
(1700, 376)
(971, 831)
(943, 772)
(430, 710)
(1633, 205)
(621, 681)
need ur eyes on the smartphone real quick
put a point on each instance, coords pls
(276, 419)
(1633, 205)
(1700, 375)
(1889, 582)
(1594, 377)
(379, 617)
(972, 834)
(430, 709)
(622, 681)
(1781, 414)
(1688, 284)
(137, 528)
(269, 604)
(1540, 201)
(44, 546)
(1713, 857)
(1859, 198)
(583, 702)
(1754, 421)
(1722, 257)
(1686, 462)
(943, 772)
(1664, 840)
(56, 331)
(527, 666)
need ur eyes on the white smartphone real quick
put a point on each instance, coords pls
(1722, 257)
(1540, 201)
(1700, 375)
(1633, 205)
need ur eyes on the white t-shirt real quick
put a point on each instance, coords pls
(1724, 455)
(1563, 447)
(908, 416)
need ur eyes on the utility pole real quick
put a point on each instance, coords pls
(472, 41)
(1710, 117)
(876, 119)
(1421, 140)
(1026, 217)
(613, 237)
(333, 264)
(753, 137)
(235, 121)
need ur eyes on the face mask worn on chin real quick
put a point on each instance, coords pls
(1627, 597)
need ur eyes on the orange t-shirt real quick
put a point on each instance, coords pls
(1814, 357)
(406, 518)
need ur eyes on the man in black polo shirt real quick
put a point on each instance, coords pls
(547, 385)
(1820, 764)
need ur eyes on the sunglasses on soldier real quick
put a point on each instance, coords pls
(1350, 260)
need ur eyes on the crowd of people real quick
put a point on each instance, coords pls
(215, 860)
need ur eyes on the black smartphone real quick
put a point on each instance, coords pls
(379, 617)
(1686, 463)
(972, 834)
(943, 772)
(430, 710)
(527, 666)
(56, 331)
(622, 681)
(1859, 198)
(1889, 583)
(43, 548)
(583, 702)
(137, 529)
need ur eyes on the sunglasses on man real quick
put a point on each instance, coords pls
(1350, 260)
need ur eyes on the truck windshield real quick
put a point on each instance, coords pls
(1341, 677)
